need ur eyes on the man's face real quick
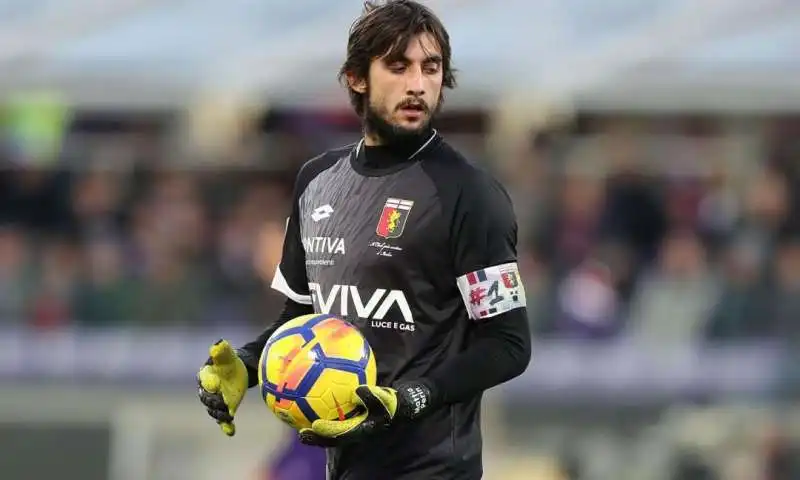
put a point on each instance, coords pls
(404, 93)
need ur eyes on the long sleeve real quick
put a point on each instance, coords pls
(483, 242)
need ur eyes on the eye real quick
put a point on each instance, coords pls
(397, 67)
(431, 68)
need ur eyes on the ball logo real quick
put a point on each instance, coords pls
(394, 217)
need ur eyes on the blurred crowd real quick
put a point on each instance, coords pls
(667, 233)
(104, 248)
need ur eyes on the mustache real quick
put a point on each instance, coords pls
(413, 102)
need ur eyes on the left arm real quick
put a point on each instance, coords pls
(484, 248)
(500, 350)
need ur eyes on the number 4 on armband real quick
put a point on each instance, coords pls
(494, 293)
(510, 282)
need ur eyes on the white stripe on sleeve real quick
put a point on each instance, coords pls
(280, 284)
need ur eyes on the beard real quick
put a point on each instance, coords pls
(377, 122)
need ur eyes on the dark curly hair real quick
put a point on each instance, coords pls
(385, 30)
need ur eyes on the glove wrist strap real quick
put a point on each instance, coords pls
(414, 399)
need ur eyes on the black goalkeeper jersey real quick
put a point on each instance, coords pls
(413, 254)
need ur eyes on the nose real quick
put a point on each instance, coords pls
(415, 82)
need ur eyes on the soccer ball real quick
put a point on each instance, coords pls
(310, 367)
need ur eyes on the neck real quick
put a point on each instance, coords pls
(372, 140)
(402, 142)
(401, 146)
(379, 155)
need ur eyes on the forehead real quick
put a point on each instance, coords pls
(419, 48)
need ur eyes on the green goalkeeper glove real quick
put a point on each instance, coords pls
(382, 407)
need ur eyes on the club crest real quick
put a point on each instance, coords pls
(394, 217)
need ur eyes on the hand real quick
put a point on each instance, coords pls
(222, 383)
(382, 407)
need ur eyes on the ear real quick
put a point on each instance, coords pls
(359, 85)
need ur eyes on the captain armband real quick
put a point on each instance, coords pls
(491, 291)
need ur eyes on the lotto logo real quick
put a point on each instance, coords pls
(321, 213)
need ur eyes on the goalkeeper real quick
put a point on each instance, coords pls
(413, 244)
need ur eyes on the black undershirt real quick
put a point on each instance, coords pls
(386, 159)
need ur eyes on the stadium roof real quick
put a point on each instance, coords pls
(606, 54)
